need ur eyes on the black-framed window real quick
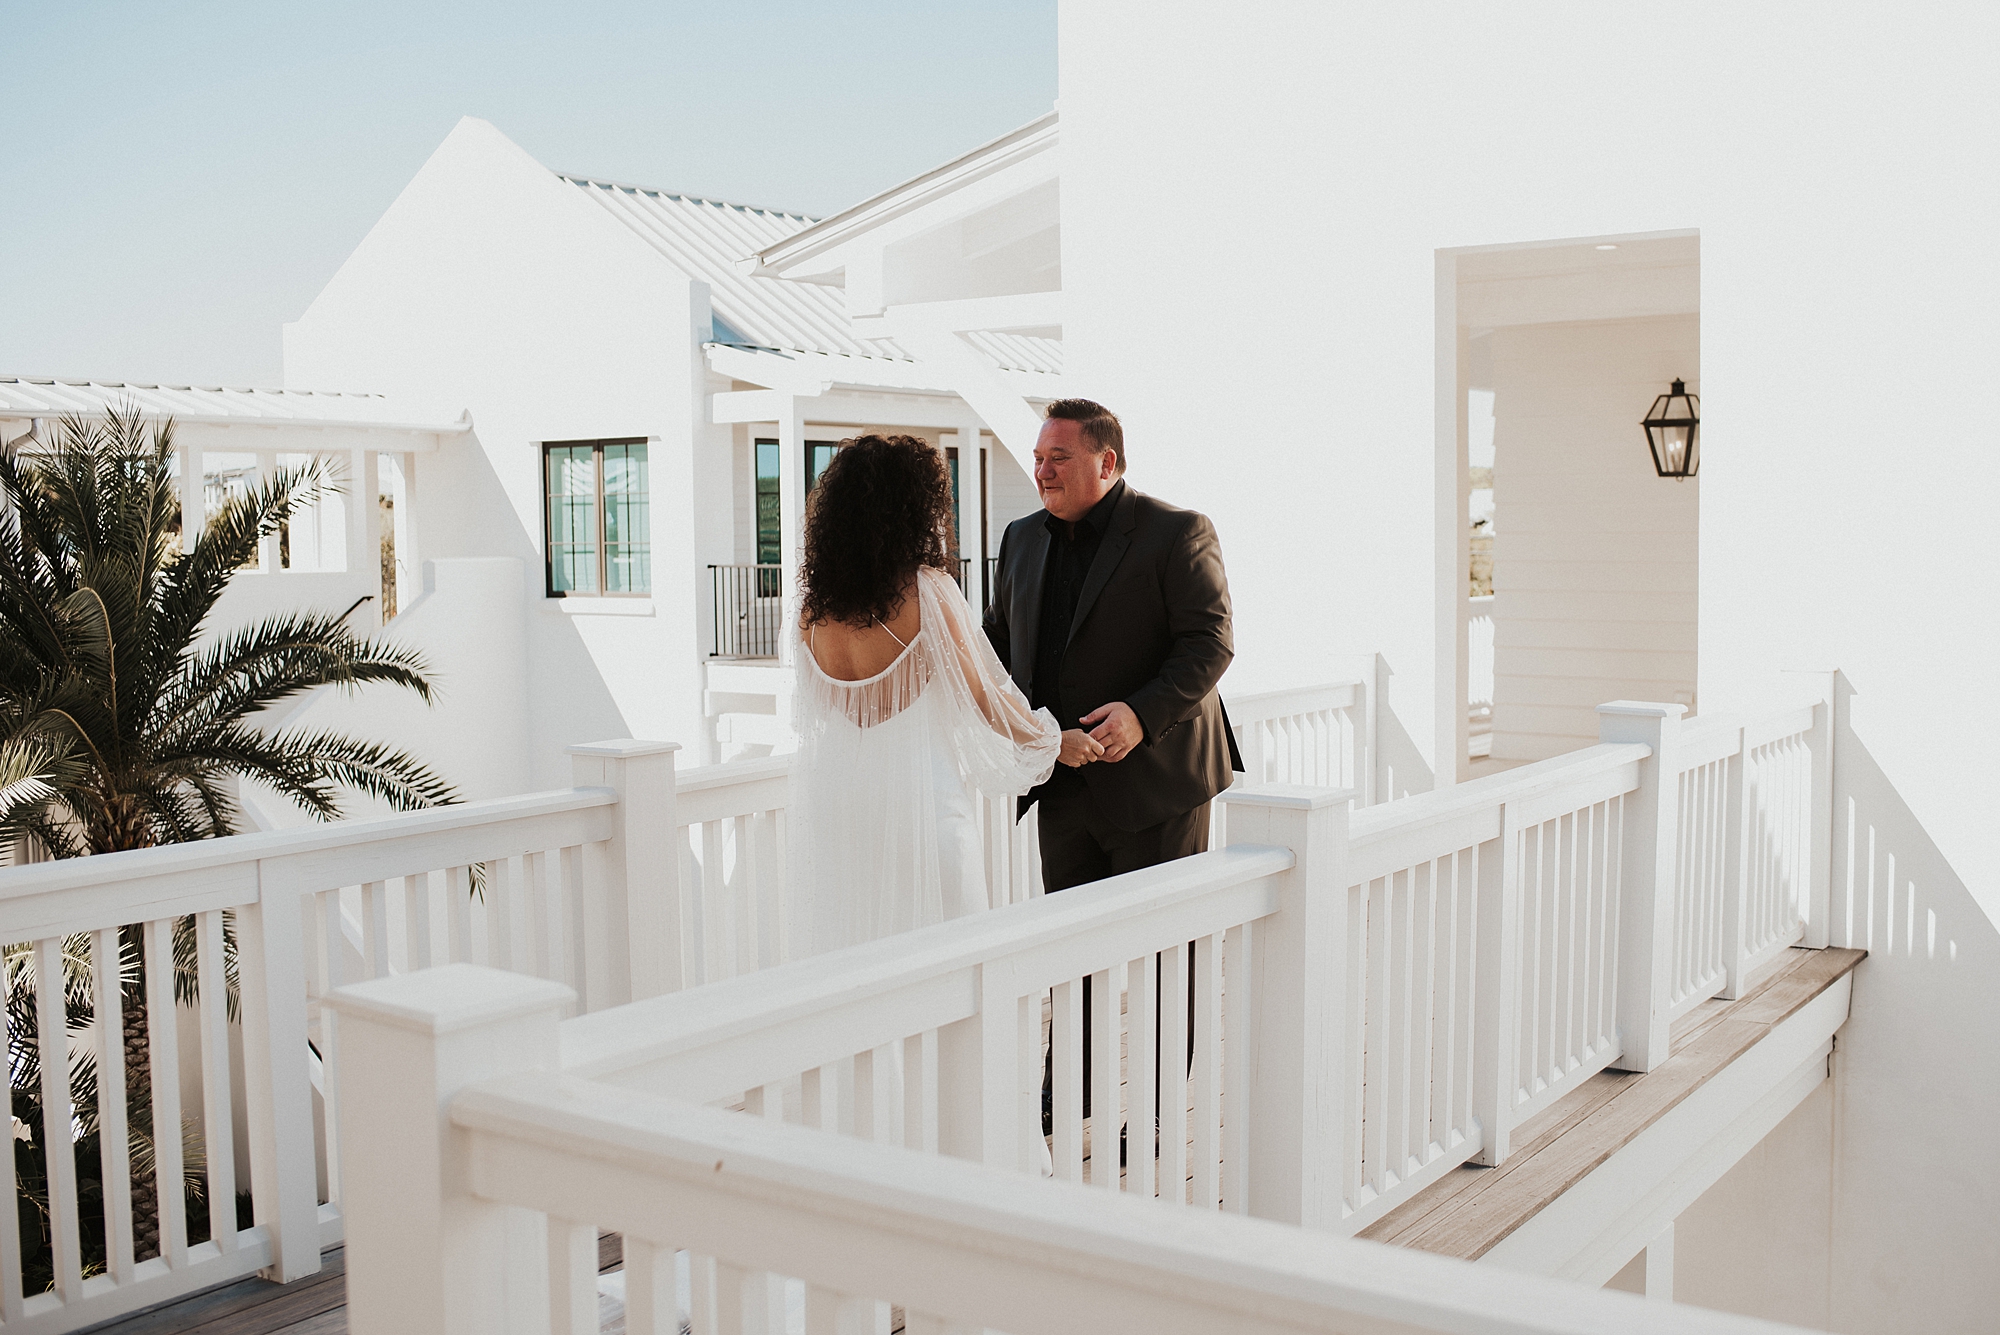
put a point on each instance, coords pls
(770, 530)
(597, 503)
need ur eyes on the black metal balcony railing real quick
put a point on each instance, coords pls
(747, 607)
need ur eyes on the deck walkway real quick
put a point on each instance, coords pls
(1468, 1211)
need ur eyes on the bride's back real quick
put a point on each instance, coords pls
(855, 653)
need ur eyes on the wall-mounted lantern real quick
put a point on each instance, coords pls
(1673, 431)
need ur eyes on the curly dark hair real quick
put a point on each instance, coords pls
(880, 512)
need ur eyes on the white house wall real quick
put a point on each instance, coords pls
(1254, 199)
(493, 286)
(1594, 570)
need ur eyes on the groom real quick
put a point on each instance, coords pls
(1111, 609)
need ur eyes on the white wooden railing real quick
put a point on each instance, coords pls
(1379, 995)
(639, 881)
(1490, 959)
(530, 1159)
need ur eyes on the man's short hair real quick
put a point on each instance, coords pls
(1100, 426)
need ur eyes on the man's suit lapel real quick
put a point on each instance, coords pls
(1026, 613)
(1124, 518)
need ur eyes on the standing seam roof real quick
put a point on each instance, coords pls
(705, 238)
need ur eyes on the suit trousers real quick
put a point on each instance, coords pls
(1079, 846)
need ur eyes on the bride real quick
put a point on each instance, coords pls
(901, 707)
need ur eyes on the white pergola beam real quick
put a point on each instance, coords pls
(747, 405)
(1020, 310)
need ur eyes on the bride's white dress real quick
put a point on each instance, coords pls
(884, 833)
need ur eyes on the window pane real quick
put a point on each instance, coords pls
(628, 535)
(768, 532)
(572, 499)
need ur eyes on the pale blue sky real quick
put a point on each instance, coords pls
(180, 179)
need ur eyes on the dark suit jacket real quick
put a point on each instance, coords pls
(1151, 629)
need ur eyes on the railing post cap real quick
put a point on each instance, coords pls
(450, 998)
(624, 748)
(1642, 709)
(1290, 796)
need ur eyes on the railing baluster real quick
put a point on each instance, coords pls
(458, 913)
(11, 1296)
(329, 1048)
(1142, 980)
(58, 1119)
(920, 1096)
(572, 1277)
(1174, 965)
(1206, 1082)
(1104, 1083)
(219, 1139)
(575, 901)
(718, 951)
(652, 1306)
(1066, 1079)
(164, 1066)
(539, 952)
(501, 897)
(375, 928)
(1238, 1006)
(114, 1145)
(417, 922)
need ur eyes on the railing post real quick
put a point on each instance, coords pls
(639, 871)
(1819, 746)
(1647, 877)
(1303, 1113)
(423, 1252)
(1497, 990)
(284, 1187)
(1739, 827)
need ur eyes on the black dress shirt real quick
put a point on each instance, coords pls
(1071, 550)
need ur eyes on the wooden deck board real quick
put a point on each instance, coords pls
(1471, 1209)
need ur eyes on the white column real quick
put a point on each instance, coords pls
(366, 491)
(1299, 991)
(267, 547)
(193, 500)
(1646, 907)
(971, 507)
(409, 569)
(637, 870)
(423, 1252)
(791, 502)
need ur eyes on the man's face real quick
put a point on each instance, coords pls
(1069, 477)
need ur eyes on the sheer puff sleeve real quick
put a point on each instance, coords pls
(1002, 744)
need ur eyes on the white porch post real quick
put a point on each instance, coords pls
(267, 547)
(971, 506)
(1646, 907)
(1825, 686)
(364, 523)
(791, 503)
(409, 568)
(1298, 987)
(194, 508)
(639, 871)
(423, 1252)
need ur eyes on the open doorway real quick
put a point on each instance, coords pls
(1572, 573)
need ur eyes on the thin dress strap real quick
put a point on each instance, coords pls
(892, 634)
